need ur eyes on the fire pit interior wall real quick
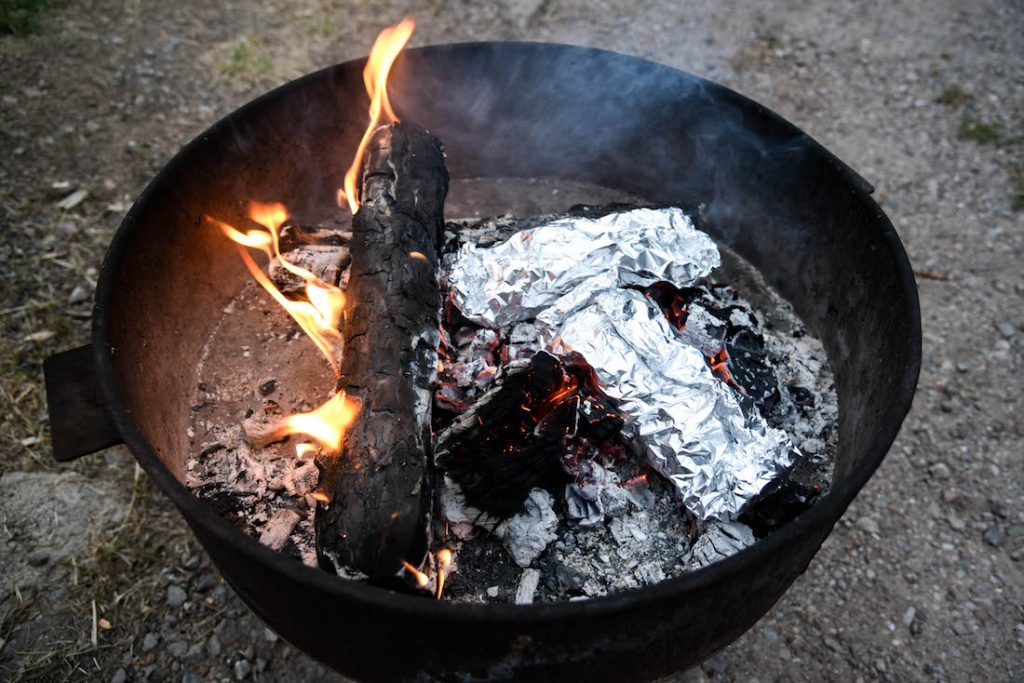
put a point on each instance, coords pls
(175, 262)
(511, 110)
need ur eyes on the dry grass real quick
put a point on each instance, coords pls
(121, 580)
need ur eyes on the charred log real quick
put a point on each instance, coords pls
(378, 487)
(526, 432)
(781, 501)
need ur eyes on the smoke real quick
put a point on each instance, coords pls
(536, 110)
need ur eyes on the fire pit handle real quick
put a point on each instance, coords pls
(79, 421)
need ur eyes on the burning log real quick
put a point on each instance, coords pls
(378, 487)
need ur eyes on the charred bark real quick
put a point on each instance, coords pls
(526, 432)
(379, 488)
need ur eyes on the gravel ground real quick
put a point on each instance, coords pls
(921, 580)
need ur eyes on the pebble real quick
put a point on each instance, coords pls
(1006, 329)
(940, 470)
(178, 649)
(190, 678)
(909, 615)
(213, 646)
(995, 536)
(206, 582)
(149, 641)
(868, 525)
(120, 676)
(73, 200)
(492, 591)
(242, 669)
(176, 596)
(956, 523)
(78, 295)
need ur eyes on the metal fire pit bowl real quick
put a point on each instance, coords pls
(522, 110)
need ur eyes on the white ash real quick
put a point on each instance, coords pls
(630, 549)
(528, 533)
(598, 493)
(527, 587)
(279, 528)
(719, 541)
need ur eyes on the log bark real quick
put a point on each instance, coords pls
(379, 487)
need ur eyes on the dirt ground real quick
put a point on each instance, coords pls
(922, 580)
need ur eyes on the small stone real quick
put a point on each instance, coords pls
(206, 582)
(176, 596)
(868, 525)
(1007, 330)
(38, 558)
(213, 646)
(191, 563)
(909, 615)
(267, 388)
(995, 536)
(73, 199)
(149, 641)
(940, 470)
(120, 676)
(190, 678)
(492, 591)
(178, 649)
(242, 669)
(956, 523)
(917, 626)
(78, 295)
(269, 636)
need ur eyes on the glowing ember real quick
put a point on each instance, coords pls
(375, 75)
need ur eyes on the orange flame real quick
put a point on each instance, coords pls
(375, 77)
(444, 562)
(319, 315)
(326, 425)
(421, 579)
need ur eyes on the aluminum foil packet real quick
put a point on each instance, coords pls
(561, 264)
(573, 280)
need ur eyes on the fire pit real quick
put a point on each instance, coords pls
(576, 118)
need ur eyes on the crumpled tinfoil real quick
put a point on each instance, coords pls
(571, 280)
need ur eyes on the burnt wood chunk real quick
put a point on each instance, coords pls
(379, 488)
(528, 430)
